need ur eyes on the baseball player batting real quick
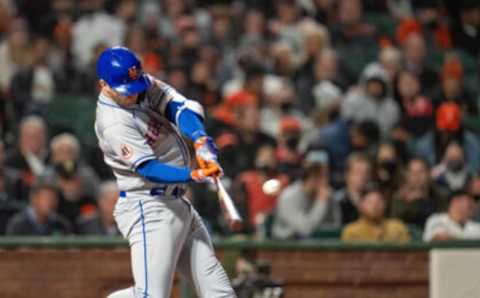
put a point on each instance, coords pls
(139, 123)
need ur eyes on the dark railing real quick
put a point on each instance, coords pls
(61, 242)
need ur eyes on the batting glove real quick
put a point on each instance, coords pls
(206, 174)
(206, 152)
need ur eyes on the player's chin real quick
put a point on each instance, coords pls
(129, 99)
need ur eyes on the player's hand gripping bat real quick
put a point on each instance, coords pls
(229, 210)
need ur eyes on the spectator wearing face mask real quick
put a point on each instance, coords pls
(371, 100)
(77, 181)
(417, 197)
(307, 204)
(388, 169)
(452, 173)
(456, 223)
(372, 224)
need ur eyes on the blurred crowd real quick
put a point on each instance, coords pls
(352, 118)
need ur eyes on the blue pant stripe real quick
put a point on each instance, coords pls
(145, 295)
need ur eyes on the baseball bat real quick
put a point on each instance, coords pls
(228, 207)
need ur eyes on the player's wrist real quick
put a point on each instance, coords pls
(198, 135)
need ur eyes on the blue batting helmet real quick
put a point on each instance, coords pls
(121, 69)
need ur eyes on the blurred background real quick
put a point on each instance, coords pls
(339, 123)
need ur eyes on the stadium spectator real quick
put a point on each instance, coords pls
(93, 27)
(433, 26)
(452, 173)
(390, 59)
(30, 156)
(33, 87)
(245, 135)
(284, 22)
(256, 191)
(102, 222)
(12, 183)
(448, 127)
(14, 52)
(287, 152)
(372, 224)
(358, 175)
(417, 197)
(40, 218)
(316, 39)
(10, 186)
(280, 102)
(7, 12)
(222, 32)
(307, 204)
(328, 98)
(452, 86)
(371, 100)
(456, 223)
(388, 170)
(417, 110)
(61, 59)
(351, 29)
(466, 31)
(254, 28)
(328, 67)
(77, 182)
(86, 80)
(327, 91)
(340, 138)
(474, 191)
(414, 59)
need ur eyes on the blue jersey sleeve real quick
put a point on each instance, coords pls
(157, 172)
(189, 122)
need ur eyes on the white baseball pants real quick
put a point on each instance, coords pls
(166, 233)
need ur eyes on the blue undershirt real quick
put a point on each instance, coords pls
(191, 125)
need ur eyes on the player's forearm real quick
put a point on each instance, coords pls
(188, 118)
(191, 125)
(157, 172)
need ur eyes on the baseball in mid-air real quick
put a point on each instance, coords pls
(271, 187)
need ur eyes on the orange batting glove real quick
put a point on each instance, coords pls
(206, 174)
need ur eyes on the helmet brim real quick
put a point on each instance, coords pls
(134, 87)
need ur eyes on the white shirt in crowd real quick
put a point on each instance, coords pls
(442, 223)
(90, 30)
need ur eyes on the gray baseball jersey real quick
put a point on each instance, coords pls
(133, 135)
(164, 231)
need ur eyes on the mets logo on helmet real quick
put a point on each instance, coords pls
(133, 73)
